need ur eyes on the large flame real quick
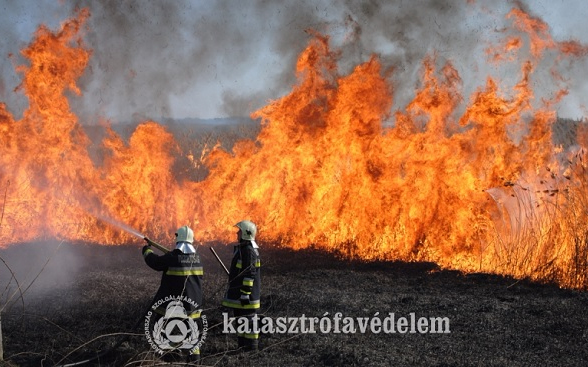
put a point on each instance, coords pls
(473, 183)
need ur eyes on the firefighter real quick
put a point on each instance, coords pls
(181, 279)
(243, 294)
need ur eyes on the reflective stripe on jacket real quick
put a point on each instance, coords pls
(182, 276)
(244, 277)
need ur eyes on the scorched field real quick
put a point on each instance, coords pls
(87, 302)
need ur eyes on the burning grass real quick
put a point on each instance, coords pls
(473, 183)
(453, 205)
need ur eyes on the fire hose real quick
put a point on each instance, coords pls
(163, 249)
(166, 250)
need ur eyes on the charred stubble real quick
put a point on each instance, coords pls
(494, 320)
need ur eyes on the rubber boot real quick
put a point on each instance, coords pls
(251, 345)
(241, 342)
(194, 356)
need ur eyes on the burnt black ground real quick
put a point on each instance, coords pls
(494, 320)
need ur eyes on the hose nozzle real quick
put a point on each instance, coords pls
(155, 244)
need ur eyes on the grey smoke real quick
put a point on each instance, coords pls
(154, 59)
(34, 269)
(146, 53)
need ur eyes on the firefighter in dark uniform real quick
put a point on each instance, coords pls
(243, 295)
(181, 278)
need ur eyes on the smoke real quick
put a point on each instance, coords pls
(179, 59)
(34, 269)
(149, 55)
(403, 33)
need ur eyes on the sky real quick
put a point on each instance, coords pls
(212, 59)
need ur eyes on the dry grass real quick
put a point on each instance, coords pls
(544, 235)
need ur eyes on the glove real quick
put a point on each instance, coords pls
(244, 299)
(145, 248)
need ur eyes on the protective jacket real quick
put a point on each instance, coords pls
(244, 277)
(182, 277)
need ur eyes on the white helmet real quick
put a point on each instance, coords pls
(185, 234)
(248, 230)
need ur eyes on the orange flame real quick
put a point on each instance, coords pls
(476, 187)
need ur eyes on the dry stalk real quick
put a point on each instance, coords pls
(11, 272)
(87, 343)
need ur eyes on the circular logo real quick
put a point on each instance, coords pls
(175, 323)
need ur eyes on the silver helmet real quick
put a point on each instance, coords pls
(248, 230)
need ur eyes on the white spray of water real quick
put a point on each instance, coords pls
(120, 225)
